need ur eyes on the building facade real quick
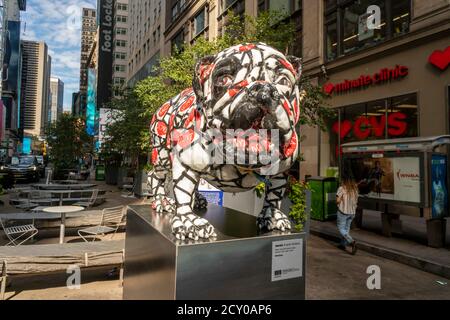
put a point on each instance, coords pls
(381, 81)
(159, 28)
(88, 40)
(75, 103)
(11, 131)
(146, 39)
(57, 99)
(35, 87)
(120, 52)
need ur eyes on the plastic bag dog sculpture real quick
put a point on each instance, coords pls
(234, 128)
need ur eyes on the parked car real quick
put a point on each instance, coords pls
(24, 168)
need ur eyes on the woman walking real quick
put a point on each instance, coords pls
(347, 201)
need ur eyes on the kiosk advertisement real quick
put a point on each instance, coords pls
(439, 194)
(396, 179)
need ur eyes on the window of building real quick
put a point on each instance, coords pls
(119, 68)
(121, 43)
(200, 22)
(120, 56)
(121, 31)
(177, 9)
(122, 19)
(119, 81)
(396, 117)
(122, 7)
(226, 5)
(178, 41)
(292, 8)
(349, 27)
(235, 6)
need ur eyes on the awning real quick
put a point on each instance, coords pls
(422, 144)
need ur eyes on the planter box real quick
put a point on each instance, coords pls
(112, 175)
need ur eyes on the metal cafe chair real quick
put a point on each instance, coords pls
(90, 202)
(16, 234)
(111, 220)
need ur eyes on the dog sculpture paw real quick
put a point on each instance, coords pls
(200, 201)
(163, 204)
(273, 219)
(191, 226)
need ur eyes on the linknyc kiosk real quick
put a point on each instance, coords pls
(406, 176)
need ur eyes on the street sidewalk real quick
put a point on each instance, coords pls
(407, 246)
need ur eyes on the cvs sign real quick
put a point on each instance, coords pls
(364, 127)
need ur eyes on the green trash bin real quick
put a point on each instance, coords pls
(100, 173)
(323, 198)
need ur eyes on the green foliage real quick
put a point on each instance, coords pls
(260, 190)
(128, 133)
(68, 141)
(271, 27)
(297, 195)
(315, 111)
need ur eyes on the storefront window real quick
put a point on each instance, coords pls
(406, 121)
(390, 118)
(349, 25)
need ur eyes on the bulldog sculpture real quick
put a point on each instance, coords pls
(234, 128)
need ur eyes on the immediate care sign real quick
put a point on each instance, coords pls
(383, 76)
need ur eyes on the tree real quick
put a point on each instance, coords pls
(127, 135)
(68, 141)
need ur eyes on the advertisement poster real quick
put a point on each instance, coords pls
(26, 147)
(91, 109)
(407, 179)
(439, 194)
(396, 179)
(12, 57)
(212, 195)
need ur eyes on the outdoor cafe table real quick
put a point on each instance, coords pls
(62, 210)
(60, 186)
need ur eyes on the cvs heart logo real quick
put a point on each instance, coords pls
(440, 59)
(328, 88)
(346, 127)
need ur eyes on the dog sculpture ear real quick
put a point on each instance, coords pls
(202, 71)
(297, 64)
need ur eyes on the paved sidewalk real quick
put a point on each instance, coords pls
(408, 247)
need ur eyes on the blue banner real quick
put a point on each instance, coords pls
(91, 105)
(439, 195)
(213, 197)
(26, 146)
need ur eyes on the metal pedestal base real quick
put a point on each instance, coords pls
(239, 264)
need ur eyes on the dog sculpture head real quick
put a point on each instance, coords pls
(248, 88)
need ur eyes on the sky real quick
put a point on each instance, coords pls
(58, 23)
